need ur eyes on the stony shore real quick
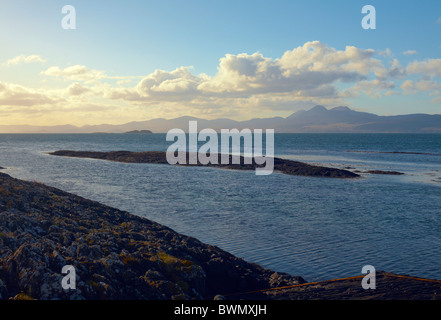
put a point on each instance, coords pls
(116, 255)
(121, 256)
(289, 167)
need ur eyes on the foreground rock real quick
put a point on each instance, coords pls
(389, 286)
(116, 255)
(282, 165)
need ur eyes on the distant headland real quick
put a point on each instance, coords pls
(139, 132)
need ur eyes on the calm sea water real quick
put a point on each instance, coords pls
(314, 227)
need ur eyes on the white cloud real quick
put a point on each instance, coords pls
(24, 59)
(163, 83)
(410, 52)
(307, 74)
(408, 87)
(430, 67)
(374, 88)
(411, 87)
(76, 89)
(385, 53)
(396, 70)
(76, 72)
(244, 84)
(308, 67)
(439, 20)
(16, 95)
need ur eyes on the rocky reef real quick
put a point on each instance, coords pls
(393, 173)
(158, 157)
(116, 255)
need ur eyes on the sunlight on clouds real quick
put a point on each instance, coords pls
(16, 95)
(308, 72)
(21, 59)
(431, 67)
(410, 52)
(245, 85)
(76, 72)
(77, 89)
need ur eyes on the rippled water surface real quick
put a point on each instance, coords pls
(314, 227)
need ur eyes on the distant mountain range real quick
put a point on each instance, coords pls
(316, 120)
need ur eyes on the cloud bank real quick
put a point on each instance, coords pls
(245, 85)
(23, 59)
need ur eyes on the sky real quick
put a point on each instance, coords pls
(139, 60)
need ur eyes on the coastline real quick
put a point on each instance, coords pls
(118, 255)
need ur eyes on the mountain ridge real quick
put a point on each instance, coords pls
(318, 119)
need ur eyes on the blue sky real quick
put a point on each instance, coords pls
(137, 60)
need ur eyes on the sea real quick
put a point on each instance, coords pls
(317, 228)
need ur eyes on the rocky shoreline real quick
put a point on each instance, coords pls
(120, 256)
(116, 255)
(284, 166)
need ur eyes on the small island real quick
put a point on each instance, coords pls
(394, 173)
(139, 132)
(285, 166)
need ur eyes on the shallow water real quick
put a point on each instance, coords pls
(314, 227)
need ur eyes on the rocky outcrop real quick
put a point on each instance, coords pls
(393, 173)
(388, 286)
(158, 157)
(116, 255)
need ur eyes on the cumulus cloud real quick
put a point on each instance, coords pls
(162, 83)
(385, 53)
(311, 71)
(410, 52)
(244, 84)
(430, 67)
(373, 88)
(24, 59)
(411, 87)
(76, 72)
(311, 67)
(76, 89)
(396, 70)
(16, 95)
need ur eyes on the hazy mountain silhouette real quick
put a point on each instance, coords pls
(318, 119)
